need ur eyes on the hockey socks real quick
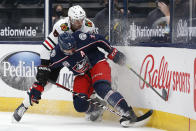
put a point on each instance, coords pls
(114, 98)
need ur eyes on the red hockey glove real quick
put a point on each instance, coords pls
(35, 93)
(117, 56)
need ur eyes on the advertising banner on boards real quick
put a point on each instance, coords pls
(18, 70)
(173, 71)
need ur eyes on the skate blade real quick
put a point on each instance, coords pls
(127, 124)
(135, 124)
(13, 120)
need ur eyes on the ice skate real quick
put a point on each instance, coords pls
(19, 112)
(95, 113)
(130, 119)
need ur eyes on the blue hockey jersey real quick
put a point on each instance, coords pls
(86, 55)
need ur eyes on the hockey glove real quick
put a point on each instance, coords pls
(43, 74)
(35, 93)
(117, 56)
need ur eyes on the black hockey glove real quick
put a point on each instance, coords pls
(117, 56)
(35, 93)
(43, 73)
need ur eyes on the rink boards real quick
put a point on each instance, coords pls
(169, 68)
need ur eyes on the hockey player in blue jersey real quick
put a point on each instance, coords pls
(80, 54)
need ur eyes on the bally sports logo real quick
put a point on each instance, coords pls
(18, 69)
(160, 76)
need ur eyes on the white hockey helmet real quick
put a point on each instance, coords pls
(76, 13)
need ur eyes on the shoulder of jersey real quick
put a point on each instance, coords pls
(89, 23)
(62, 25)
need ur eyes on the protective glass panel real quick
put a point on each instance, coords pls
(146, 21)
(180, 21)
(193, 23)
(21, 20)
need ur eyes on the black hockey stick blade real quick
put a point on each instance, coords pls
(127, 123)
(164, 94)
(145, 116)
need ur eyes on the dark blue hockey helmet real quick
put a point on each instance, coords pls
(67, 43)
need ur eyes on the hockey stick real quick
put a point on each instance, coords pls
(88, 99)
(146, 115)
(164, 95)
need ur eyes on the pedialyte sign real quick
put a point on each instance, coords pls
(18, 69)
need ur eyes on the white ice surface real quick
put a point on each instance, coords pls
(34, 122)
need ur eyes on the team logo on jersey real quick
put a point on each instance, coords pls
(88, 23)
(64, 27)
(53, 53)
(82, 66)
(82, 36)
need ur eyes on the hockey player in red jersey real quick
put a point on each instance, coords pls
(80, 54)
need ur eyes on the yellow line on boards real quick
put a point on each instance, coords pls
(159, 119)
